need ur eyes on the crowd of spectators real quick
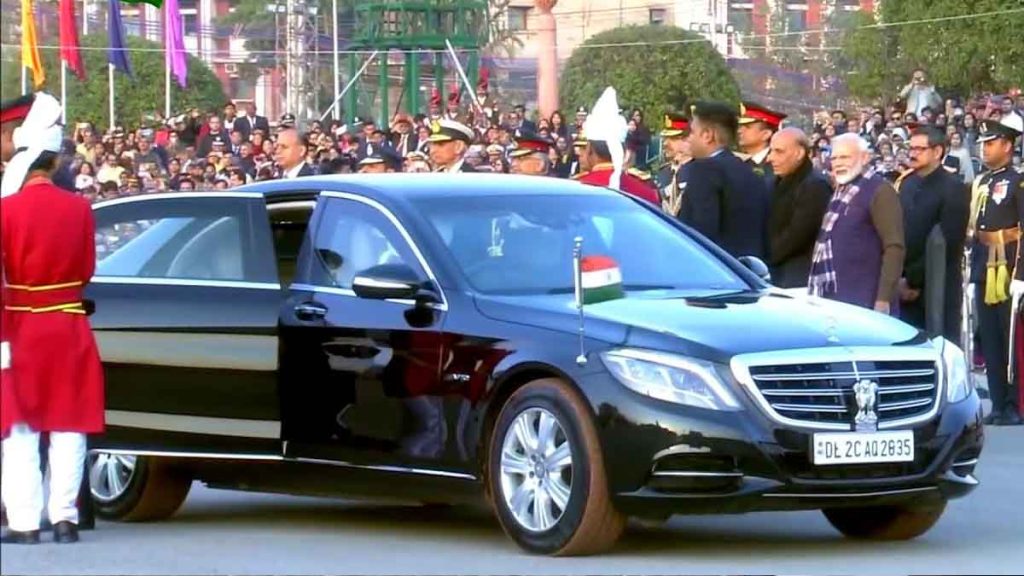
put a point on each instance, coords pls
(888, 130)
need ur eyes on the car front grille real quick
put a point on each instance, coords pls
(819, 394)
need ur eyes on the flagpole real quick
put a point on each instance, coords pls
(110, 90)
(167, 64)
(24, 81)
(337, 77)
(63, 92)
(85, 17)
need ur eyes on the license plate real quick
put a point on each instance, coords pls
(862, 447)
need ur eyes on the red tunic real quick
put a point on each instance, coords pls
(49, 255)
(602, 174)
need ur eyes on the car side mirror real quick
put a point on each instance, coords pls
(390, 282)
(757, 266)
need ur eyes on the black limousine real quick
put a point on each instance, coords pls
(428, 337)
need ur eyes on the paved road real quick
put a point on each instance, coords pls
(219, 532)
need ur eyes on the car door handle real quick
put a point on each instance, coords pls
(310, 311)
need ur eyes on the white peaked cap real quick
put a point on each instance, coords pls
(40, 132)
(605, 124)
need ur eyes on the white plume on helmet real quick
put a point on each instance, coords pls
(40, 132)
(605, 124)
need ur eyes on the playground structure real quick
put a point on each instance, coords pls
(420, 30)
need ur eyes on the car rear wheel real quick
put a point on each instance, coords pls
(886, 522)
(546, 476)
(136, 488)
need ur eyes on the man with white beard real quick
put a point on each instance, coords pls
(858, 257)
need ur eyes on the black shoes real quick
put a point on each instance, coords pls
(65, 533)
(16, 537)
(1008, 417)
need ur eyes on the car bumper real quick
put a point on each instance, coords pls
(663, 458)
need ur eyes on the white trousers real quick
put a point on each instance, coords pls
(22, 481)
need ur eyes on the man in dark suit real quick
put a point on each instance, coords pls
(290, 154)
(800, 197)
(722, 197)
(250, 122)
(930, 197)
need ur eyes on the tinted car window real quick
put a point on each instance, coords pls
(509, 244)
(201, 239)
(352, 237)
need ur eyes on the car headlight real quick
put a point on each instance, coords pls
(671, 378)
(958, 379)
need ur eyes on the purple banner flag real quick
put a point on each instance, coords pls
(174, 42)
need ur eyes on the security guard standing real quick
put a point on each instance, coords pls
(754, 135)
(531, 155)
(996, 272)
(677, 149)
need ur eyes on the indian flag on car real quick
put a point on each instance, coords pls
(600, 279)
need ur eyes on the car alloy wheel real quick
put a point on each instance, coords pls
(545, 473)
(536, 469)
(110, 475)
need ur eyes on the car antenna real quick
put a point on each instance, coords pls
(577, 256)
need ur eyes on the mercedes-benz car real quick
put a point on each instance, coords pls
(429, 337)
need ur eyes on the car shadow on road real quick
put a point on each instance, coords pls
(774, 533)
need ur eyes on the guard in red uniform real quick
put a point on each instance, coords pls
(12, 113)
(605, 131)
(48, 254)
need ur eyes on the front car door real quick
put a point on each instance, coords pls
(187, 299)
(360, 377)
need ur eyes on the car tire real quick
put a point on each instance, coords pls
(153, 489)
(885, 522)
(589, 522)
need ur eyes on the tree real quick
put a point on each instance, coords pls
(963, 56)
(656, 76)
(136, 99)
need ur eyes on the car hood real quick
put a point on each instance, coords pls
(715, 328)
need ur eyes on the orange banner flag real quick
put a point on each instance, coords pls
(29, 47)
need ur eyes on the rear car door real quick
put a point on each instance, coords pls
(187, 300)
(361, 377)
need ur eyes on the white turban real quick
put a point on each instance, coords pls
(40, 132)
(605, 124)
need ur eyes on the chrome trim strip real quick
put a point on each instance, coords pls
(971, 462)
(174, 454)
(685, 474)
(290, 204)
(374, 283)
(904, 405)
(681, 449)
(247, 352)
(906, 389)
(174, 196)
(384, 468)
(808, 392)
(195, 424)
(401, 229)
(812, 409)
(740, 366)
(135, 280)
(855, 495)
(838, 375)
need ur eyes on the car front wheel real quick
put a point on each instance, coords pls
(546, 475)
(886, 522)
(136, 488)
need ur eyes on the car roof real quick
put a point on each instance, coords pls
(410, 186)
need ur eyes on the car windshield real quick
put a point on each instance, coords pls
(523, 244)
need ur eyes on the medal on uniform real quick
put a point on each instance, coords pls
(999, 191)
